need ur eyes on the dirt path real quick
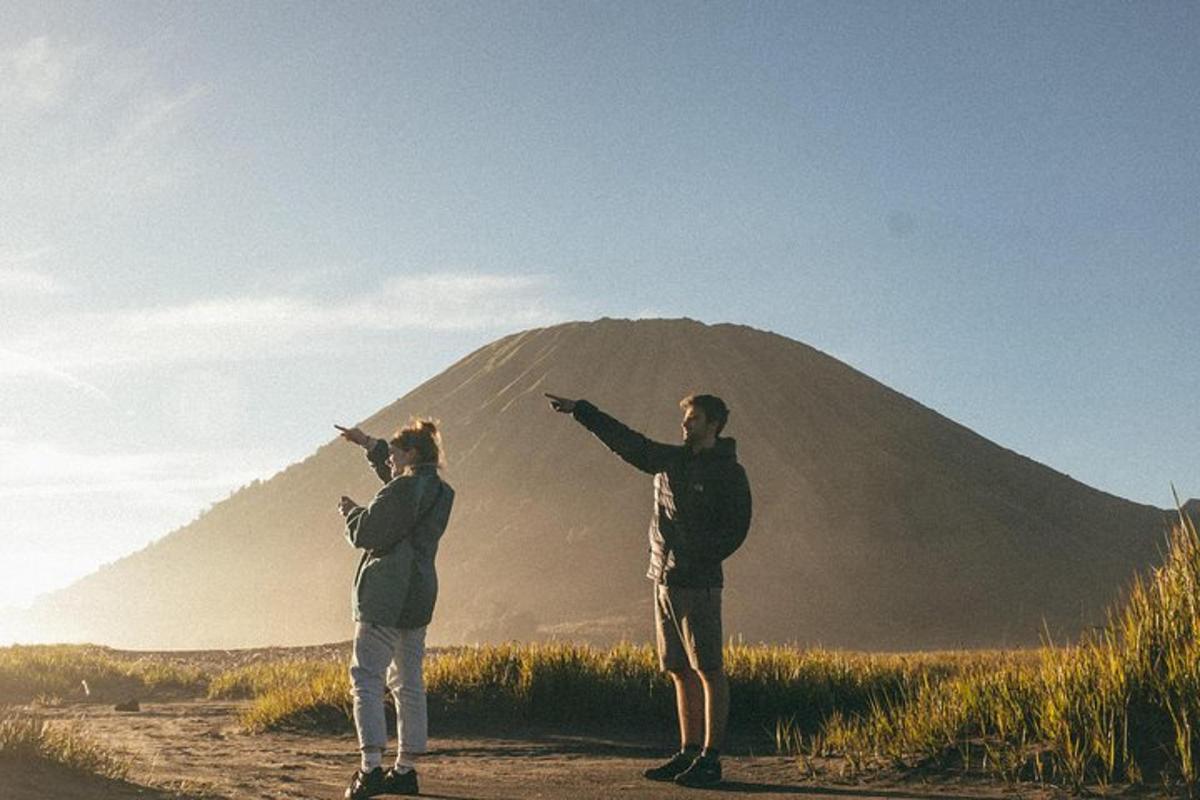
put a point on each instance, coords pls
(196, 748)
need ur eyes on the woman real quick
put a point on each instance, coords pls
(395, 589)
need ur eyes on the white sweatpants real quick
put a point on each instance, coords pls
(391, 657)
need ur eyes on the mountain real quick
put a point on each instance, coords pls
(878, 523)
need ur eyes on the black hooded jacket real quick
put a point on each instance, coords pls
(701, 500)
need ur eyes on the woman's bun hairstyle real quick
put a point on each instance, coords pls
(422, 434)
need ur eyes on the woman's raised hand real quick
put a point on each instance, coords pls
(355, 435)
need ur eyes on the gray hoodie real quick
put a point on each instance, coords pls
(398, 532)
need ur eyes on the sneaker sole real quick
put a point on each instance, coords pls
(659, 779)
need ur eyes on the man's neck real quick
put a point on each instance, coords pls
(699, 447)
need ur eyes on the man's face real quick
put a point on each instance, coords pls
(696, 428)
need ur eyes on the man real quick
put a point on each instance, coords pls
(701, 516)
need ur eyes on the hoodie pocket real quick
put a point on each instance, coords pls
(384, 583)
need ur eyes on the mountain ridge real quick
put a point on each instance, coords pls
(860, 493)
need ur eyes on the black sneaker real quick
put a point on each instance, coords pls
(667, 772)
(365, 784)
(400, 782)
(704, 771)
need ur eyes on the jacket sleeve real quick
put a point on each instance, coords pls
(377, 456)
(388, 519)
(645, 454)
(729, 528)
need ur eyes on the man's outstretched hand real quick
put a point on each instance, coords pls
(355, 435)
(561, 404)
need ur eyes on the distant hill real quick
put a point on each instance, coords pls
(878, 523)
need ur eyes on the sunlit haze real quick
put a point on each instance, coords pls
(226, 227)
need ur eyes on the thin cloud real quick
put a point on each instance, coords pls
(248, 328)
(147, 151)
(14, 364)
(24, 282)
(36, 75)
(87, 123)
(19, 278)
(16, 258)
(170, 479)
(464, 301)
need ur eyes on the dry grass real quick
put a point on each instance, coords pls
(1122, 706)
(775, 690)
(25, 736)
(29, 672)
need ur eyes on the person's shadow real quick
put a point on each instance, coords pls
(745, 787)
(748, 787)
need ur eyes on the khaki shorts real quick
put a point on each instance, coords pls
(687, 624)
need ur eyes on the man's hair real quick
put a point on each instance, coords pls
(423, 436)
(714, 408)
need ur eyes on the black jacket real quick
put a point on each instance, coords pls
(701, 500)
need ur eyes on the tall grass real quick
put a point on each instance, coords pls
(63, 671)
(773, 689)
(25, 737)
(549, 682)
(313, 696)
(254, 680)
(1121, 706)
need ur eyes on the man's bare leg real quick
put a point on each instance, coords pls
(706, 769)
(691, 704)
(716, 708)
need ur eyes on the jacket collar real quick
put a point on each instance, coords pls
(724, 448)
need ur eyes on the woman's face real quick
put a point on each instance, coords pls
(398, 459)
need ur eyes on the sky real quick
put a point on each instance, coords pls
(226, 226)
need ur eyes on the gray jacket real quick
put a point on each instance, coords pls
(396, 583)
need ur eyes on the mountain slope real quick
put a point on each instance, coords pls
(878, 523)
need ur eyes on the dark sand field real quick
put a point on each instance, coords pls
(194, 749)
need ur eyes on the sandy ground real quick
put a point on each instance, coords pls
(195, 749)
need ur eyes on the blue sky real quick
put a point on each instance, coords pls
(224, 226)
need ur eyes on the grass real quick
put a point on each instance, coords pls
(254, 680)
(289, 695)
(49, 672)
(1122, 706)
(554, 682)
(25, 736)
(775, 690)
